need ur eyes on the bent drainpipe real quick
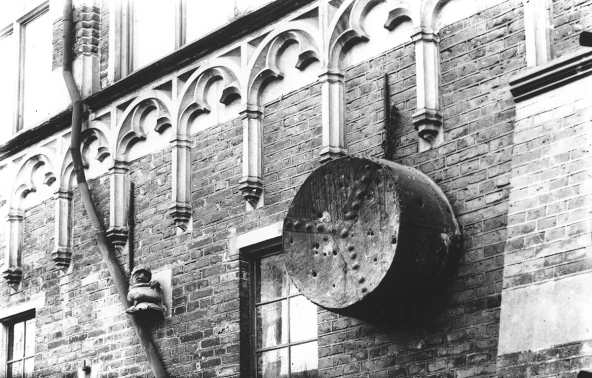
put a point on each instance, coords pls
(99, 230)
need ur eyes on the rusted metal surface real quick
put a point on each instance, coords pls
(358, 227)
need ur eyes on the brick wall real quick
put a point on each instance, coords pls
(291, 147)
(364, 102)
(549, 248)
(570, 18)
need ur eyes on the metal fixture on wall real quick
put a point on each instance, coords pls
(391, 116)
(360, 230)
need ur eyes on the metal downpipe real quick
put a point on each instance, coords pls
(105, 246)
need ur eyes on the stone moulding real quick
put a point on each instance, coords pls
(551, 75)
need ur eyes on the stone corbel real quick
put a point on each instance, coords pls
(180, 210)
(13, 271)
(62, 253)
(333, 113)
(118, 206)
(428, 117)
(251, 183)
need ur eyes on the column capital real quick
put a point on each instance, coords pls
(119, 166)
(250, 111)
(332, 76)
(425, 34)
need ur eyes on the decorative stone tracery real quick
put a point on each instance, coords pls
(132, 128)
(12, 271)
(263, 69)
(192, 103)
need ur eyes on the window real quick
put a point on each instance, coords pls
(7, 89)
(19, 336)
(152, 29)
(26, 75)
(285, 322)
(36, 68)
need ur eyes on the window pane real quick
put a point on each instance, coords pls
(272, 324)
(304, 360)
(29, 367)
(153, 30)
(37, 70)
(16, 370)
(273, 364)
(7, 90)
(17, 341)
(30, 337)
(303, 319)
(272, 279)
(202, 17)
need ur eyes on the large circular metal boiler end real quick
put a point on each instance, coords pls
(359, 227)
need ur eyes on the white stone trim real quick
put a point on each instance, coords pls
(256, 236)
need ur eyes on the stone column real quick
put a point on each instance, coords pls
(180, 210)
(251, 184)
(333, 115)
(13, 271)
(62, 253)
(119, 203)
(428, 117)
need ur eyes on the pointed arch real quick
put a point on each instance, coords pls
(133, 128)
(263, 65)
(23, 184)
(97, 131)
(193, 95)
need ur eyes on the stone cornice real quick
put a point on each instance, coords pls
(183, 57)
(551, 75)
